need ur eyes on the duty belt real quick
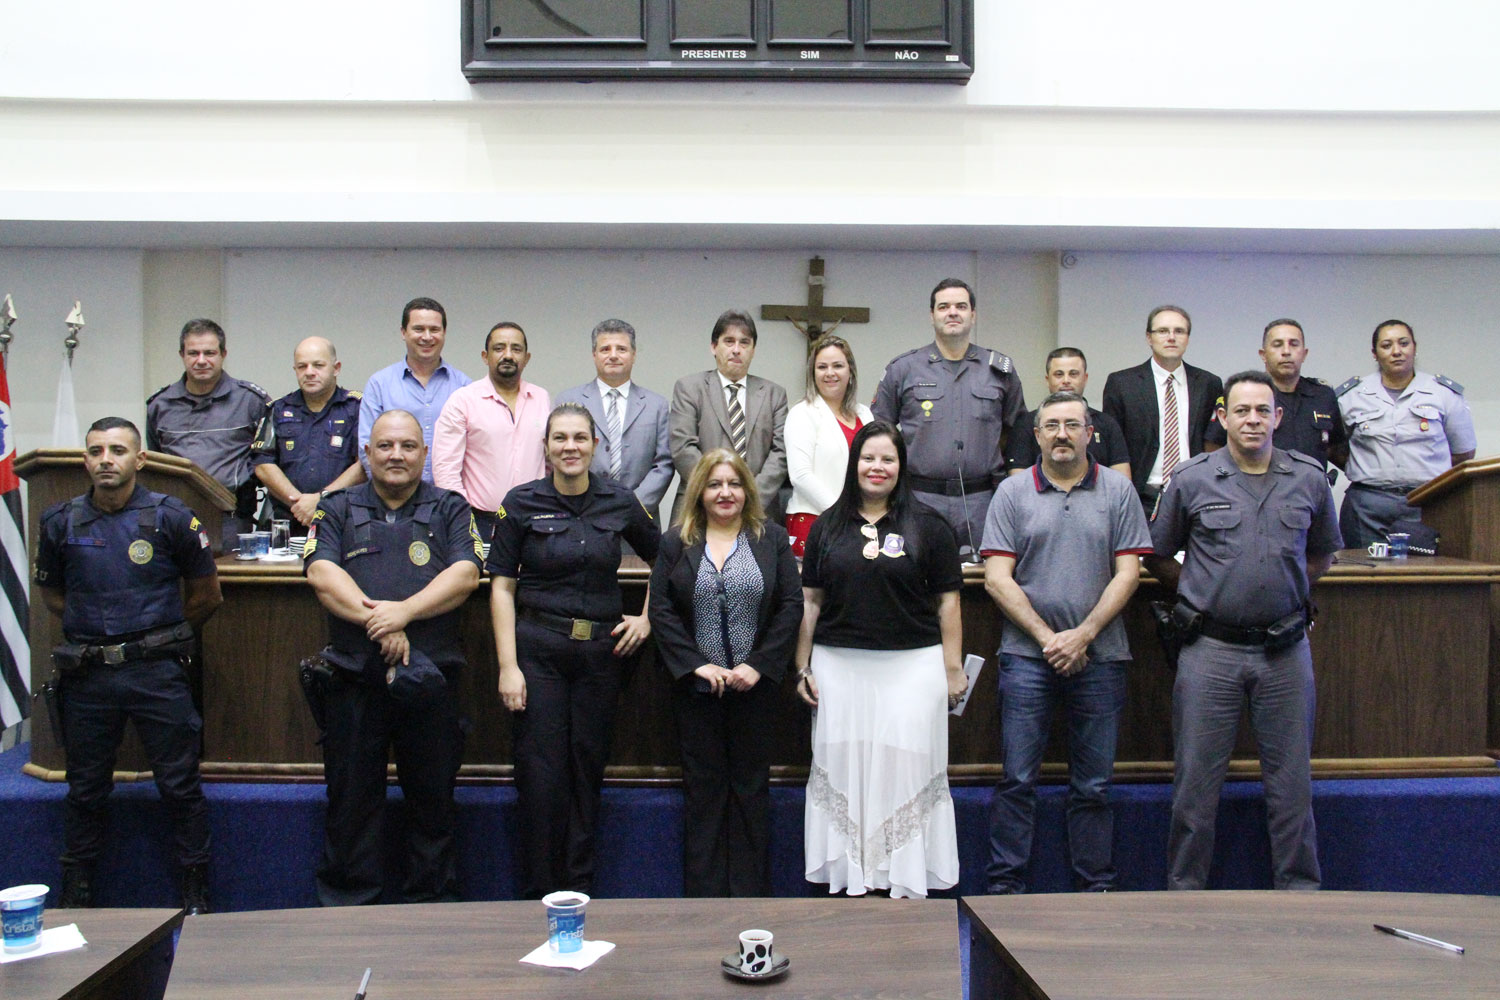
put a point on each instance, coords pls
(574, 628)
(163, 640)
(1232, 634)
(951, 487)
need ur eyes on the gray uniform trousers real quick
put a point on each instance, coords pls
(966, 519)
(1213, 679)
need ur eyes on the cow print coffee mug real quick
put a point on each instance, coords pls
(755, 952)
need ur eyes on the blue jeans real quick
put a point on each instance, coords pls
(1094, 698)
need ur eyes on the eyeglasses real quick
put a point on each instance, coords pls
(872, 547)
(1162, 331)
(1071, 426)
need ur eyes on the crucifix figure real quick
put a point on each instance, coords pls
(810, 319)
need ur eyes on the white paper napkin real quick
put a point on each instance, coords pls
(54, 940)
(584, 957)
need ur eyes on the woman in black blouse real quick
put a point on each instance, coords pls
(878, 658)
(561, 638)
(725, 605)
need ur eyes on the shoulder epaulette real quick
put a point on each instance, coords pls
(1354, 381)
(158, 392)
(1298, 456)
(1001, 363)
(1314, 380)
(1447, 382)
(355, 393)
(263, 394)
(907, 354)
(1202, 456)
(55, 509)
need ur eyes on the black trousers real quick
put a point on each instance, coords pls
(561, 747)
(156, 696)
(364, 724)
(726, 762)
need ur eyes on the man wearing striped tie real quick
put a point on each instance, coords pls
(730, 408)
(631, 420)
(1164, 406)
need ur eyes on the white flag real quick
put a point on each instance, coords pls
(65, 421)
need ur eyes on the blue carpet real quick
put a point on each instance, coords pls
(1413, 835)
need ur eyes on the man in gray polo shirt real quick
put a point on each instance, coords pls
(1061, 545)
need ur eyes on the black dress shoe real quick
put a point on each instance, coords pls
(195, 889)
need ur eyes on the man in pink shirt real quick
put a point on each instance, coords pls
(489, 435)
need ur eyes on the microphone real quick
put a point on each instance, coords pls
(963, 498)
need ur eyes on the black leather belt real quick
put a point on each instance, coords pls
(1232, 634)
(581, 629)
(152, 643)
(951, 487)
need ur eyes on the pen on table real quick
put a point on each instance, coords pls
(364, 984)
(1420, 938)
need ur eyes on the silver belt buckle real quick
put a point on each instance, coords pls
(113, 655)
(583, 629)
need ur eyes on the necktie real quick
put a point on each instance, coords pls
(612, 424)
(1170, 449)
(736, 419)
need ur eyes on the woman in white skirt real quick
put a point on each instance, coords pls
(878, 659)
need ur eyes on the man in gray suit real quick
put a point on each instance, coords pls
(631, 420)
(728, 408)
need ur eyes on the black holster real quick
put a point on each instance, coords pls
(1177, 625)
(51, 695)
(316, 674)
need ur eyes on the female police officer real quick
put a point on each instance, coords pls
(560, 636)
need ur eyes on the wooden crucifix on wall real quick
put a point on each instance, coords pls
(815, 318)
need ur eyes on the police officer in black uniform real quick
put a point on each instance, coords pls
(131, 574)
(1310, 421)
(308, 444)
(392, 560)
(562, 642)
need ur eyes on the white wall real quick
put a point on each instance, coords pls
(108, 370)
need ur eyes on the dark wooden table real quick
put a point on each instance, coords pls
(1401, 652)
(664, 948)
(1255, 945)
(128, 951)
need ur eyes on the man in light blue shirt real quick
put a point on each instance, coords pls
(420, 383)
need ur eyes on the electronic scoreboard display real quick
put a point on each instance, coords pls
(910, 40)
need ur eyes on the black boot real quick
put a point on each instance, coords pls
(77, 887)
(195, 889)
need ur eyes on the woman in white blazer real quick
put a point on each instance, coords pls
(818, 432)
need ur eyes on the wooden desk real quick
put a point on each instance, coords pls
(664, 948)
(128, 951)
(1252, 945)
(1401, 652)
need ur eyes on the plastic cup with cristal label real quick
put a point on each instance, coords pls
(21, 909)
(1399, 540)
(565, 920)
(756, 953)
(281, 538)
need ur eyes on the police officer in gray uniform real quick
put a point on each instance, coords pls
(1404, 428)
(1258, 527)
(1310, 421)
(955, 403)
(210, 417)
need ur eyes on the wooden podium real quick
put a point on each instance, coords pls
(52, 476)
(1463, 505)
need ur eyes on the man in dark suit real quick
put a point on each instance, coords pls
(1163, 393)
(631, 420)
(728, 408)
